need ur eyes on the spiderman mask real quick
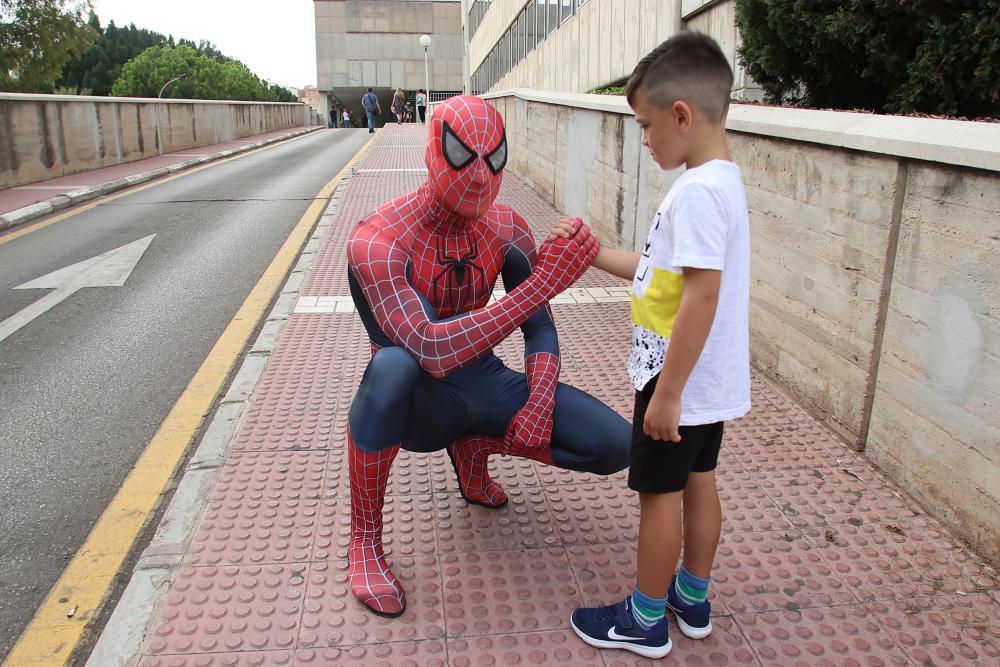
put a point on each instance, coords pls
(466, 154)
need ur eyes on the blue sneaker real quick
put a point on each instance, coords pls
(693, 620)
(615, 627)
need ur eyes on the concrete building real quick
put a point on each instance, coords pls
(488, 45)
(577, 46)
(362, 43)
(309, 95)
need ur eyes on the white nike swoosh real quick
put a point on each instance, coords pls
(613, 634)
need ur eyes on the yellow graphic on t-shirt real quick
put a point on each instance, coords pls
(656, 309)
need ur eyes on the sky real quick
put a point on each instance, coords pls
(276, 39)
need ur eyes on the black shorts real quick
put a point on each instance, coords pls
(658, 466)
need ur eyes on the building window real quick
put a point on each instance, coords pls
(536, 21)
(477, 10)
(567, 11)
(552, 18)
(531, 33)
(519, 39)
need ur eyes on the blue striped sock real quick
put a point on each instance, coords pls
(647, 611)
(690, 589)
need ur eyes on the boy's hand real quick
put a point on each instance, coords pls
(663, 414)
(561, 261)
(566, 228)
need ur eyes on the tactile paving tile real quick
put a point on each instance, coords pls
(725, 646)
(411, 473)
(774, 570)
(282, 475)
(895, 559)
(224, 609)
(409, 528)
(820, 637)
(303, 396)
(334, 617)
(605, 572)
(524, 523)
(498, 592)
(765, 442)
(833, 495)
(394, 654)
(243, 659)
(255, 533)
(943, 630)
(550, 475)
(593, 513)
(745, 506)
(532, 648)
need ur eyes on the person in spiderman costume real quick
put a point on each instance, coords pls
(422, 270)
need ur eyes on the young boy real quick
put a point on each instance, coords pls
(690, 361)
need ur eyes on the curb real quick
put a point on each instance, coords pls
(41, 209)
(120, 640)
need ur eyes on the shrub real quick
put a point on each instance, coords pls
(896, 56)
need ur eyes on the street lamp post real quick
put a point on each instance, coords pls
(425, 41)
(159, 144)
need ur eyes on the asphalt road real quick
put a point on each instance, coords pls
(84, 387)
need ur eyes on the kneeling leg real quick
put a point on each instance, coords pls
(588, 435)
(377, 421)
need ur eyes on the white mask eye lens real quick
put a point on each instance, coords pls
(498, 158)
(456, 154)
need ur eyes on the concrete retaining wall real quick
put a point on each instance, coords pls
(46, 136)
(876, 261)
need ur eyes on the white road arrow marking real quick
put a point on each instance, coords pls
(111, 269)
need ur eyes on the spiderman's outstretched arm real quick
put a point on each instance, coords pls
(532, 425)
(379, 265)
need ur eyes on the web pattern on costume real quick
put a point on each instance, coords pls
(372, 582)
(426, 264)
(393, 254)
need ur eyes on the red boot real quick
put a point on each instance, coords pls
(371, 580)
(470, 456)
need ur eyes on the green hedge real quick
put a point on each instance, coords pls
(895, 56)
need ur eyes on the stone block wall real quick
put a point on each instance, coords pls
(875, 266)
(935, 426)
(46, 136)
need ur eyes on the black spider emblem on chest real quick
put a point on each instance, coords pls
(454, 273)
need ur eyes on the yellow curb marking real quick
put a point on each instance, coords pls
(77, 210)
(85, 584)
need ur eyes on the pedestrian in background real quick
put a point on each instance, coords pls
(371, 104)
(421, 104)
(346, 120)
(398, 104)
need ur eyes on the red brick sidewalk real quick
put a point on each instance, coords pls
(822, 561)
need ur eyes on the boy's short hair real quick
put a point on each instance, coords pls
(689, 66)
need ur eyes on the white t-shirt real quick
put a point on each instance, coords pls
(703, 224)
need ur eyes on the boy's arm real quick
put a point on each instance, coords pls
(621, 263)
(694, 321)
